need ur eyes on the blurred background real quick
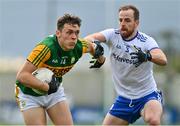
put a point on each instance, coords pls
(90, 93)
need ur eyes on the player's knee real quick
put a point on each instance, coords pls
(152, 120)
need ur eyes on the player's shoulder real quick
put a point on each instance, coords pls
(82, 41)
(143, 37)
(49, 41)
(47, 44)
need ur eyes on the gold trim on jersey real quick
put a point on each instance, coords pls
(17, 96)
(16, 91)
(39, 55)
(84, 45)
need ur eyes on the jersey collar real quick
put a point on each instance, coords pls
(131, 38)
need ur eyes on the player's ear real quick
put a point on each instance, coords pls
(137, 22)
(57, 32)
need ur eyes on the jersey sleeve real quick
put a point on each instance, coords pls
(108, 34)
(84, 45)
(151, 44)
(39, 55)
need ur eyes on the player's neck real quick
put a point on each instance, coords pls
(132, 36)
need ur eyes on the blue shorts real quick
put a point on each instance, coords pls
(130, 110)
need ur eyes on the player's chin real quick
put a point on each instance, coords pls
(124, 34)
(71, 47)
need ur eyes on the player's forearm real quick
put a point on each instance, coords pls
(159, 58)
(96, 36)
(90, 38)
(30, 81)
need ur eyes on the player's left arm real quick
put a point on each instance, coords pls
(158, 57)
(155, 55)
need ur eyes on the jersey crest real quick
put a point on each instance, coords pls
(141, 37)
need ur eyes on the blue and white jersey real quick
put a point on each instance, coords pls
(130, 81)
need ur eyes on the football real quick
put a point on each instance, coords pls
(44, 75)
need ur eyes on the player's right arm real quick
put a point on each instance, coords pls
(25, 76)
(96, 36)
(101, 38)
(36, 59)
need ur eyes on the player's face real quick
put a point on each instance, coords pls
(128, 24)
(67, 37)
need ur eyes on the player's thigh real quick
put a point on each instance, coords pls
(60, 114)
(152, 109)
(112, 120)
(34, 116)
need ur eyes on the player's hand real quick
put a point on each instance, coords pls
(99, 50)
(53, 85)
(96, 63)
(140, 56)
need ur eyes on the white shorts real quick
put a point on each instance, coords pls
(27, 101)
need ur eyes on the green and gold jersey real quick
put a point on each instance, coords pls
(49, 54)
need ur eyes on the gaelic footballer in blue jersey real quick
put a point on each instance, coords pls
(132, 54)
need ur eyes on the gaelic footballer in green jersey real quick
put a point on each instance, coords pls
(48, 54)
(59, 53)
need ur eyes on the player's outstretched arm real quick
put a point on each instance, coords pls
(96, 36)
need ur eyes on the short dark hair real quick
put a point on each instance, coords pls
(68, 19)
(127, 7)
